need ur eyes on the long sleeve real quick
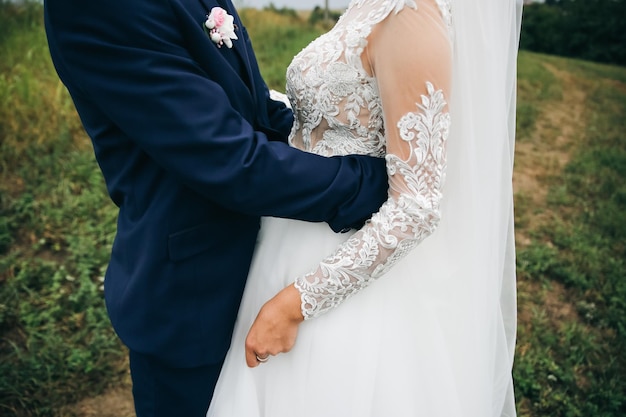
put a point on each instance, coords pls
(409, 54)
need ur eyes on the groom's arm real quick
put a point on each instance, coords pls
(132, 67)
(281, 117)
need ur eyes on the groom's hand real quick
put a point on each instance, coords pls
(275, 328)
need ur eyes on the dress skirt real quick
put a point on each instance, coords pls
(406, 346)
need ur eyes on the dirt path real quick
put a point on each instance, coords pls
(541, 158)
(117, 402)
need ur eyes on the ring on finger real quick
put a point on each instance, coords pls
(262, 360)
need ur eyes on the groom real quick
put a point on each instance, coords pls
(192, 150)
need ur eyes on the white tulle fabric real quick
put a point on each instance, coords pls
(434, 335)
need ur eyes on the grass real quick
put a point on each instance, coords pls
(56, 228)
(572, 298)
(57, 225)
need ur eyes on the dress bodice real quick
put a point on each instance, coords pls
(331, 87)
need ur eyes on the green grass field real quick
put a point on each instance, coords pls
(57, 225)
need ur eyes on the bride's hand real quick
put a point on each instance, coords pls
(275, 328)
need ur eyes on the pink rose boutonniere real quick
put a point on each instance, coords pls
(221, 28)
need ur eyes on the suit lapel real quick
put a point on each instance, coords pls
(239, 45)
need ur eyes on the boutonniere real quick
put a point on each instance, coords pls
(220, 27)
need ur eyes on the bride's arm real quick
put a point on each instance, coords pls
(410, 56)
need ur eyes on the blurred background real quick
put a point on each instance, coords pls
(58, 353)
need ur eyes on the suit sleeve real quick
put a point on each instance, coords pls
(135, 66)
(281, 117)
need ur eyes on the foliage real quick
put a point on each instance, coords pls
(285, 11)
(590, 29)
(320, 16)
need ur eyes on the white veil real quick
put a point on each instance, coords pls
(477, 211)
(465, 271)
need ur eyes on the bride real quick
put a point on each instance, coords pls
(429, 84)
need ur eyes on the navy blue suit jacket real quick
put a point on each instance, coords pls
(192, 150)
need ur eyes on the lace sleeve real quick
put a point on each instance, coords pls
(409, 54)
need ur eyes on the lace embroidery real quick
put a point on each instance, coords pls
(330, 90)
(401, 224)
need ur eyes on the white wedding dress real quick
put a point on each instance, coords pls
(432, 334)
